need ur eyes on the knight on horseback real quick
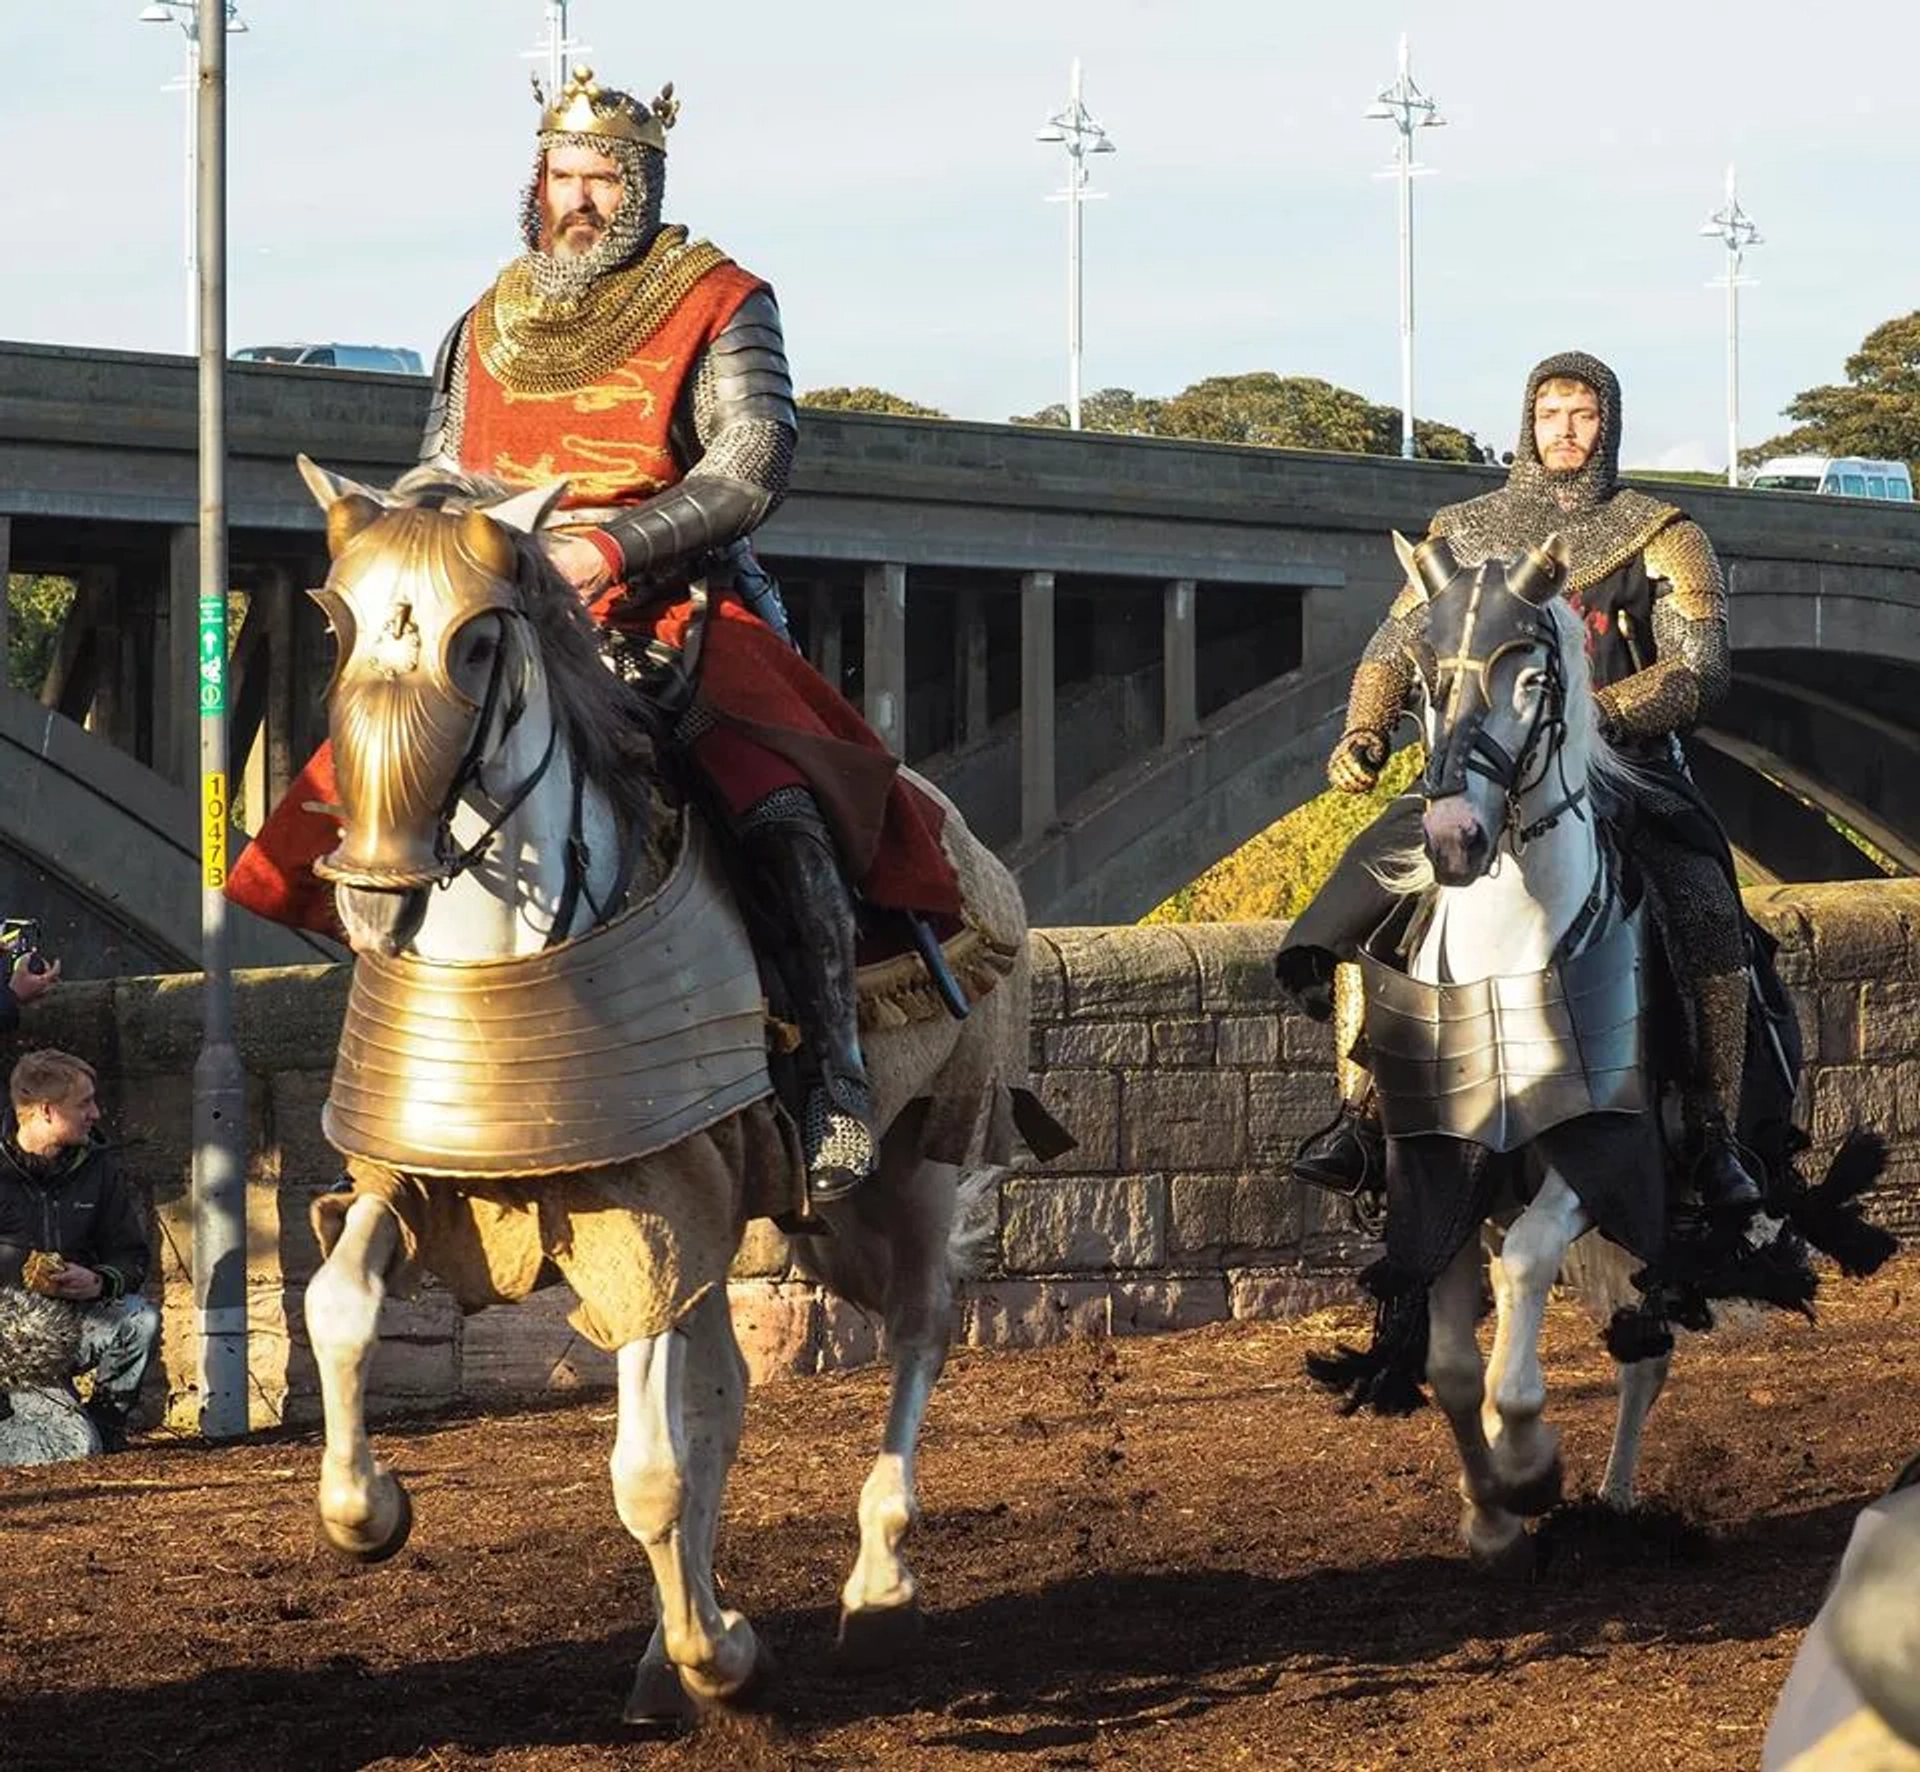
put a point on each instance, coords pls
(648, 372)
(1645, 582)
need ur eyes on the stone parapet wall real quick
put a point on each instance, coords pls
(1165, 1049)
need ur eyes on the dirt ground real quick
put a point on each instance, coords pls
(1166, 1552)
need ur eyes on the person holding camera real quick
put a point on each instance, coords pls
(25, 973)
(70, 1228)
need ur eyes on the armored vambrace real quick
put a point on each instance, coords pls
(744, 423)
(1385, 672)
(1691, 666)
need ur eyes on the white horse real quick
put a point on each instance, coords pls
(1518, 910)
(482, 749)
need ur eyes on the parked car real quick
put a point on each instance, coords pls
(382, 359)
(1843, 476)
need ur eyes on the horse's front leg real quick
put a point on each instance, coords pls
(682, 1401)
(1454, 1370)
(364, 1510)
(1640, 1382)
(880, 1603)
(1526, 1452)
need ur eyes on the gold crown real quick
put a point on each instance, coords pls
(584, 107)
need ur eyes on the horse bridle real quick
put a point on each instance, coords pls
(467, 774)
(1449, 764)
(578, 854)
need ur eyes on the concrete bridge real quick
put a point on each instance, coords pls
(1122, 656)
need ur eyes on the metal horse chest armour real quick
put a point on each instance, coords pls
(605, 1048)
(1501, 1060)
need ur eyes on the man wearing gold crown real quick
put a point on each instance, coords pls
(648, 372)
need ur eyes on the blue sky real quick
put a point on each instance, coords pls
(876, 161)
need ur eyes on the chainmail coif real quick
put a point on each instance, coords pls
(1603, 524)
(643, 172)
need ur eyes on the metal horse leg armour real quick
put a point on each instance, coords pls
(787, 842)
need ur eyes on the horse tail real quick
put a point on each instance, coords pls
(976, 1220)
(1829, 1215)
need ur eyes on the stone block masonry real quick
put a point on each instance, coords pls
(1167, 1050)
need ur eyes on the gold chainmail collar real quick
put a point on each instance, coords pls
(549, 345)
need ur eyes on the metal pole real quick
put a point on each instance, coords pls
(1735, 230)
(189, 220)
(1407, 108)
(1075, 174)
(556, 48)
(1733, 367)
(219, 1085)
(1406, 297)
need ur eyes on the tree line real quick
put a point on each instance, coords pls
(1261, 408)
(1873, 411)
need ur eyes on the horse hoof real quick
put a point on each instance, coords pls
(1535, 1495)
(361, 1547)
(658, 1704)
(1515, 1560)
(878, 1637)
(753, 1693)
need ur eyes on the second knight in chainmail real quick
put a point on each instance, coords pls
(1649, 588)
(648, 371)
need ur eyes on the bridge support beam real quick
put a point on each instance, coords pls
(1039, 791)
(824, 642)
(971, 650)
(1179, 651)
(176, 712)
(6, 602)
(886, 654)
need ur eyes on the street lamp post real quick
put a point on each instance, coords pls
(1407, 108)
(555, 47)
(186, 14)
(219, 1193)
(1076, 130)
(1734, 229)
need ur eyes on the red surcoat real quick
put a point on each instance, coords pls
(778, 722)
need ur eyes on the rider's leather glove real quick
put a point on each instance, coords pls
(1356, 762)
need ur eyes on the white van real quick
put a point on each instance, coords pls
(1843, 476)
(379, 359)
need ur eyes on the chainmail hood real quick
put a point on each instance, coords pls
(1603, 524)
(643, 171)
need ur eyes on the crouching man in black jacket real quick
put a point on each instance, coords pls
(70, 1228)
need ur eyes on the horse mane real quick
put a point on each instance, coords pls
(604, 718)
(1609, 775)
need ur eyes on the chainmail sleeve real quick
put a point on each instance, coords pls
(1385, 672)
(744, 424)
(447, 409)
(1692, 664)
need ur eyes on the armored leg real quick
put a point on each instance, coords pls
(1713, 1105)
(1709, 942)
(1345, 1155)
(786, 842)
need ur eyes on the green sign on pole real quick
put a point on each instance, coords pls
(213, 656)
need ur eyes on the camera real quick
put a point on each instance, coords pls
(21, 935)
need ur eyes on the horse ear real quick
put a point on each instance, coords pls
(1431, 566)
(350, 507)
(1538, 574)
(1404, 549)
(527, 511)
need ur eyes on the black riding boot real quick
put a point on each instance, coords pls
(794, 853)
(1346, 1154)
